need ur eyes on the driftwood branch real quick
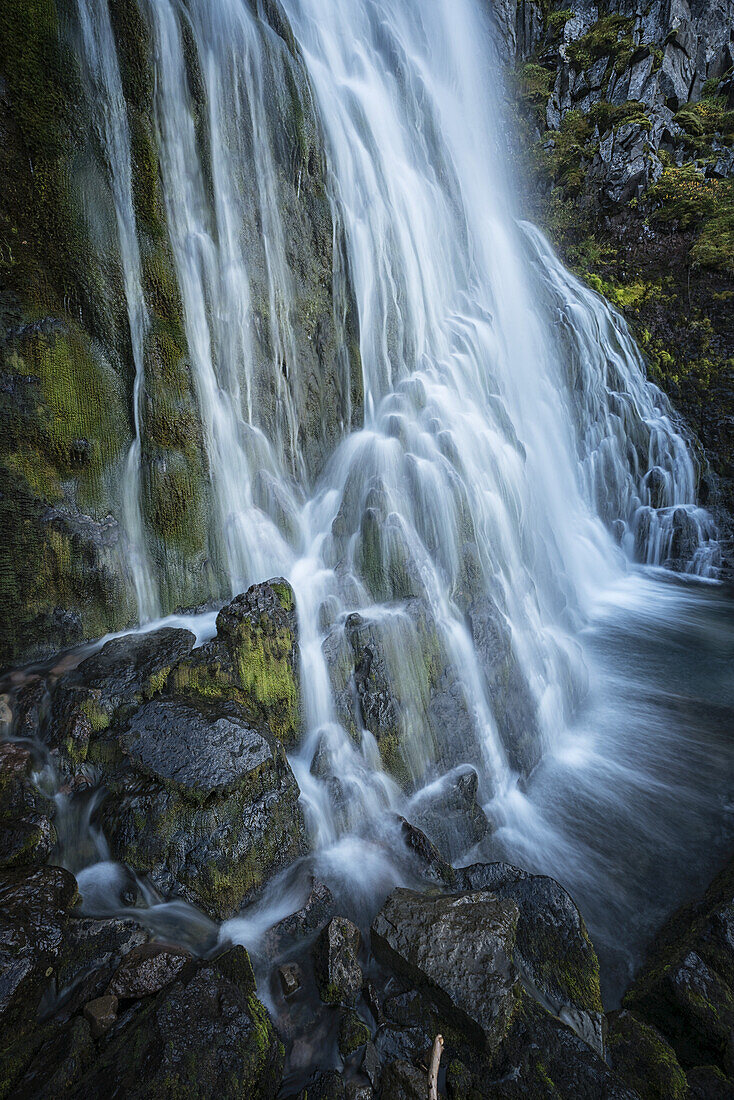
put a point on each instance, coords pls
(433, 1071)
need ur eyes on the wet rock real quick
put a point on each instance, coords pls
(97, 947)
(430, 862)
(685, 989)
(323, 1086)
(305, 922)
(541, 1057)
(259, 629)
(407, 1043)
(353, 1033)
(206, 1034)
(402, 1081)
(552, 947)
(110, 685)
(101, 1014)
(451, 816)
(357, 1091)
(291, 978)
(338, 973)
(709, 1083)
(34, 913)
(147, 969)
(370, 1065)
(456, 950)
(643, 1059)
(209, 805)
(27, 834)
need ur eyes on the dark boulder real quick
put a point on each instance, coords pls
(146, 970)
(27, 834)
(34, 913)
(402, 1081)
(110, 685)
(428, 860)
(353, 1033)
(458, 951)
(206, 804)
(338, 973)
(451, 816)
(552, 947)
(304, 923)
(644, 1060)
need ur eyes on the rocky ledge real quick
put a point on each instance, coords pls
(177, 756)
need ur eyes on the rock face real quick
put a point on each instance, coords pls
(451, 816)
(685, 990)
(459, 951)
(27, 835)
(338, 973)
(213, 811)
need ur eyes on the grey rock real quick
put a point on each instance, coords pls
(402, 1081)
(304, 923)
(451, 816)
(291, 978)
(458, 951)
(338, 973)
(146, 970)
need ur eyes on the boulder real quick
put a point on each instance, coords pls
(426, 856)
(451, 816)
(643, 1059)
(205, 1034)
(304, 923)
(34, 913)
(27, 834)
(552, 948)
(205, 803)
(685, 989)
(353, 1033)
(458, 951)
(111, 684)
(338, 973)
(101, 1014)
(402, 1081)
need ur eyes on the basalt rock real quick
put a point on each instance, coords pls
(338, 973)
(451, 816)
(458, 951)
(147, 969)
(552, 947)
(685, 988)
(643, 1059)
(204, 803)
(27, 835)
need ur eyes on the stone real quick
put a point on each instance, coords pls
(205, 803)
(291, 978)
(27, 834)
(147, 969)
(34, 914)
(552, 947)
(338, 973)
(451, 816)
(458, 951)
(101, 1014)
(709, 1083)
(643, 1059)
(353, 1033)
(304, 923)
(328, 1085)
(97, 947)
(357, 1091)
(370, 1065)
(402, 1081)
(430, 862)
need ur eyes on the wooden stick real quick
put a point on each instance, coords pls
(433, 1072)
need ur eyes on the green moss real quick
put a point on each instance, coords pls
(644, 1060)
(353, 1033)
(610, 36)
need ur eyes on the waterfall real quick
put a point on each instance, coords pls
(111, 119)
(512, 457)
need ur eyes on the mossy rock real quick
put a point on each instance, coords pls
(644, 1060)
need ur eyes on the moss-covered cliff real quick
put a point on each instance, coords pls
(626, 115)
(68, 399)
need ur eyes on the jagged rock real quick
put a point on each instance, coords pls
(27, 835)
(101, 1014)
(709, 1083)
(305, 922)
(34, 913)
(291, 978)
(353, 1033)
(552, 947)
(205, 1034)
(402, 1081)
(451, 816)
(458, 951)
(323, 1086)
(371, 1066)
(146, 970)
(430, 862)
(338, 973)
(111, 684)
(357, 1091)
(97, 947)
(206, 804)
(685, 989)
(643, 1059)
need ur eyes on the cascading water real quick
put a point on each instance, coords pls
(512, 456)
(103, 71)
